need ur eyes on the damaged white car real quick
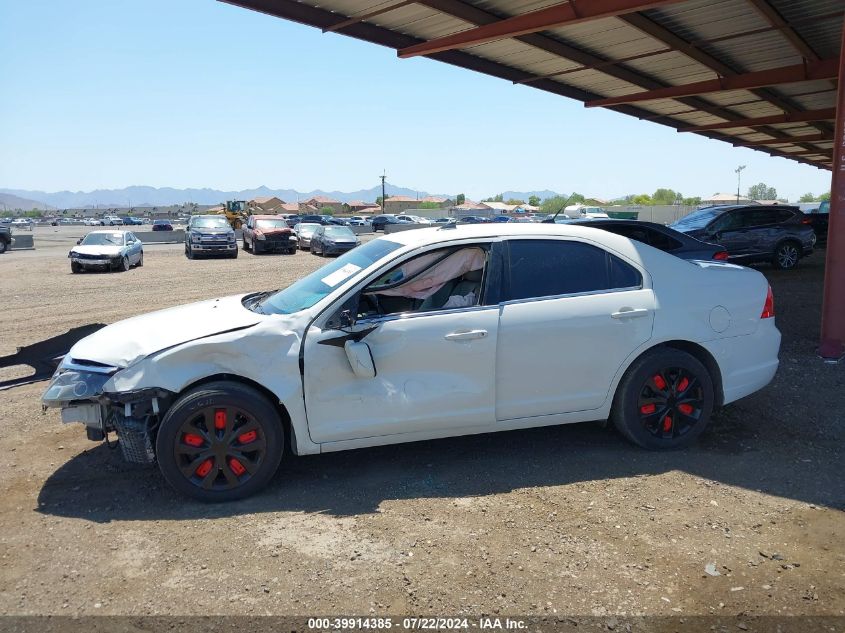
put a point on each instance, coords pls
(425, 334)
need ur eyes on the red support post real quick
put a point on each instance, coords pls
(832, 345)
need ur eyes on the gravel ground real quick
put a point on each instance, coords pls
(565, 520)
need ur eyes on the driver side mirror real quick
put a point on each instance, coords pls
(79, 241)
(360, 359)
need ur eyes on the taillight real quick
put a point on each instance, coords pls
(769, 306)
(806, 221)
(722, 256)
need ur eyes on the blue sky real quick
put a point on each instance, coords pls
(197, 93)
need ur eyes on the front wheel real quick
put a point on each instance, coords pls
(787, 256)
(664, 401)
(75, 268)
(3, 246)
(124, 264)
(220, 442)
(189, 253)
(141, 259)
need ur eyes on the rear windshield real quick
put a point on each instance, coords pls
(697, 219)
(339, 231)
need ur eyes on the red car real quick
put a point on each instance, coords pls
(162, 225)
(264, 233)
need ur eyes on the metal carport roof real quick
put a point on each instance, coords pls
(760, 74)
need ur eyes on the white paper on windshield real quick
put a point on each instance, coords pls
(340, 274)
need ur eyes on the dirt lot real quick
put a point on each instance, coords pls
(567, 520)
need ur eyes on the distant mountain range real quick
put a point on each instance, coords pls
(141, 196)
(10, 202)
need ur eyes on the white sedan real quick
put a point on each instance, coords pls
(106, 250)
(426, 334)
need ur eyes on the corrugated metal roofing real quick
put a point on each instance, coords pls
(676, 43)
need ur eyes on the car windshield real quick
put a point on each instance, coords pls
(210, 223)
(339, 231)
(310, 289)
(162, 222)
(697, 219)
(271, 224)
(103, 239)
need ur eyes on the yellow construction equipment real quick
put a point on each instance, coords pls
(236, 212)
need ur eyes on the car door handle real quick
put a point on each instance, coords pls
(466, 335)
(629, 313)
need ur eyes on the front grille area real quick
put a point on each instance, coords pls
(86, 256)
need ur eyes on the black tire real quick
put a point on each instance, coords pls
(189, 252)
(124, 264)
(246, 245)
(181, 461)
(787, 254)
(75, 268)
(234, 255)
(141, 260)
(668, 418)
(3, 246)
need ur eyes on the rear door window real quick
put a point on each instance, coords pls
(548, 268)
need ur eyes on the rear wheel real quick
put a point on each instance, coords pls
(141, 259)
(664, 401)
(787, 255)
(220, 442)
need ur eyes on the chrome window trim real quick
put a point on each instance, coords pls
(413, 315)
(589, 293)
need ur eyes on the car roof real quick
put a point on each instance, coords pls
(268, 216)
(106, 231)
(424, 237)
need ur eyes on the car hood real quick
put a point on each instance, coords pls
(213, 231)
(96, 249)
(126, 342)
(274, 231)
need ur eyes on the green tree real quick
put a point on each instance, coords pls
(379, 200)
(460, 199)
(327, 210)
(825, 197)
(639, 199)
(665, 196)
(515, 201)
(428, 205)
(576, 198)
(762, 191)
(553, 205)
(692, 202)
(497, 198)
(534, 201)
(807, 197)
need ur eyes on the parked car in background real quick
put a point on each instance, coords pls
(268, 233)
(408, 337)
(578, 211)
(106, 250)
(337, 221)
(502, 218)
(414, 219)
(22, 223)
(315, 219)
(659, 236)
(111, 220)
(293, 220)
(304, 231)
(210, 235)
(130, 221)
(380, 221)
(162, 225)
(818, 216)
(778, 234)
(443, 220)
(91, 222)
(5, 238)
(333, 240)
(473, 219)
(359, 220)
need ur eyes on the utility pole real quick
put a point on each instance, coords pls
(738, 172)
(383, 196)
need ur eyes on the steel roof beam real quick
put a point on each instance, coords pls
(793, 140)
(366, 16)
(827, 114)
(809, 71)
(567, 13)
(776, 20)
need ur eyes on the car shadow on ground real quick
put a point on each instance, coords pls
(98, 486)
